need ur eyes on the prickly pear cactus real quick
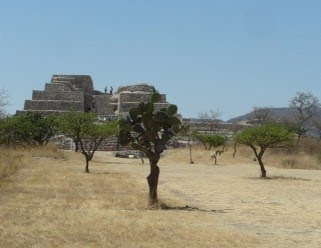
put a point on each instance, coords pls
(148, 131)
(153, 129)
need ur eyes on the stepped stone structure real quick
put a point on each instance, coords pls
(76, 93)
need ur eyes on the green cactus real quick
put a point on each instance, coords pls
(148, 131)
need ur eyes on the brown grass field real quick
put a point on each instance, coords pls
(48, 201)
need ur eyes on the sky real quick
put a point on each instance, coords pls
(226, 55)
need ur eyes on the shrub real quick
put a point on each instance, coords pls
(263, 137)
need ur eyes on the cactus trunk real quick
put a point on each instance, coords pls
(152, 180)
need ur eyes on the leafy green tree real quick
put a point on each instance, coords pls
(211, 140)
(44, 127)
(28, 129)
(260, 138)
(148, 130)
(203, 138)
(16, 131)
(83, 128)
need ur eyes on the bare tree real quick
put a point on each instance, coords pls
(317, 124)
(3, 102)
(210, 119)
(261, 116)
(304, 108)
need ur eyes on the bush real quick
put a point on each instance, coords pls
(211, 140)
(28, 129)
(260, 138)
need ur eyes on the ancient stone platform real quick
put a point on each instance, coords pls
(76, 93)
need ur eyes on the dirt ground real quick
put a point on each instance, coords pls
(283, 211)
(51, 202)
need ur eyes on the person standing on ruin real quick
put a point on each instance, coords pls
(106, 89)
(111, 90)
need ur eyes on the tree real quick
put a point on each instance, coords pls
(211, 140)
(191, 135)
(263, 137)
(261, 115)
(83, 128)
(210, 120)
(317, 125)
(3, 102)
(29, 129)
(304, 107)
(17, 131)
(148, 130)
(234, 130)
(218, 142)
(44, 127)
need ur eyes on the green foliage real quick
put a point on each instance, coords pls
(84, 129)
(211, 140)
(28, 129)
(265, 136)
(78, 125)
(152, 129)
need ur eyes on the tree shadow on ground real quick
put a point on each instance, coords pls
(102, 162)
(190, 208)
(278, 178)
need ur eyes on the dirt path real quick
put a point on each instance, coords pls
(284, 210)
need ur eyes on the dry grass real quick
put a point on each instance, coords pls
(11, 159)
(52, 203)
(245, 155)
(282, 211)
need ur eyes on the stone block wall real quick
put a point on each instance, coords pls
(138, 97)
(58, 105)
(58, 95)
(136, 88)
(126, 106)
(104, 104)
(77, 81)
(52, 88)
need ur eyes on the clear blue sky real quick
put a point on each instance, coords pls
(204, 55)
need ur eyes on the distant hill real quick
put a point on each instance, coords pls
(279, 113)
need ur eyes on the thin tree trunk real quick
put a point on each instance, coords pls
(234, 153)
(259, 159)
(76, 145)
(263, 171)
(190, 153)
(142, 157)
(87, 165)
(152, 180)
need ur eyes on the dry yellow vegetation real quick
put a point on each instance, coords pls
(245, 155)
(50, 202)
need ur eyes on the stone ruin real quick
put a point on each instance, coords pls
(76, 93)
